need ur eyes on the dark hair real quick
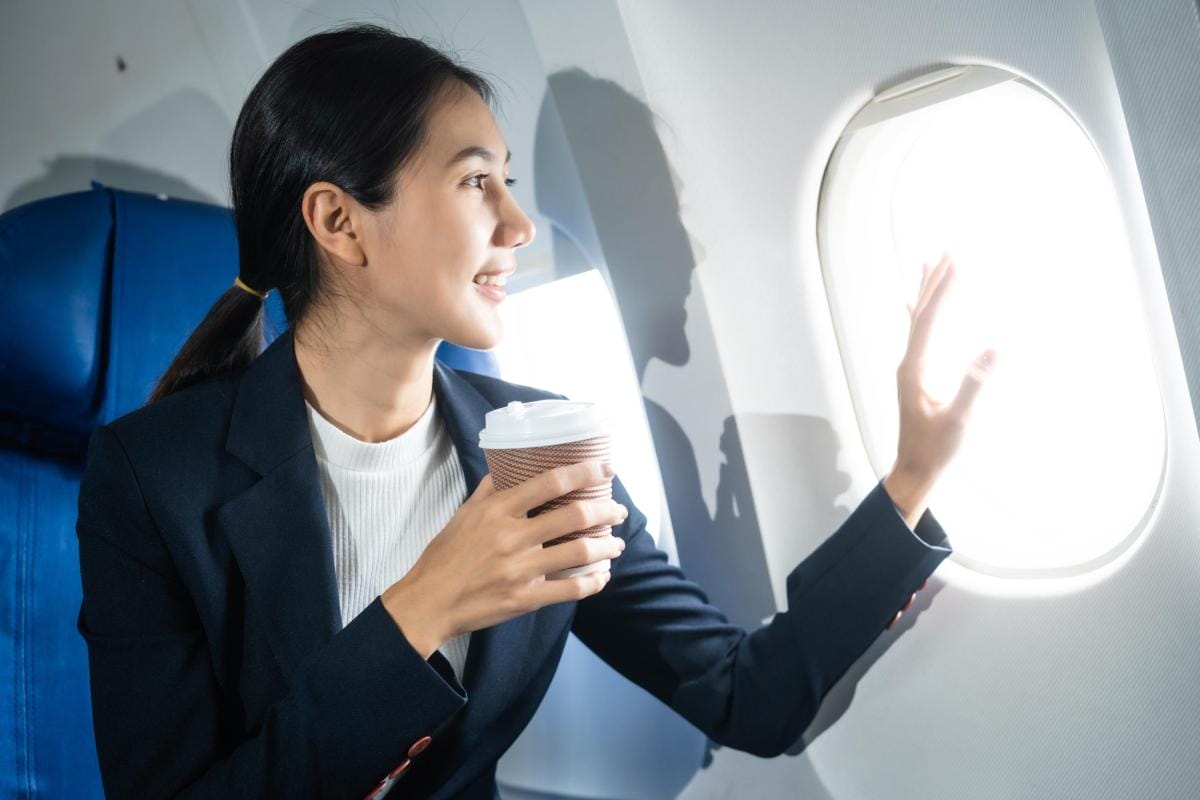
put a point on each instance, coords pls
(349, 106)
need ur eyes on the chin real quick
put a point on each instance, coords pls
(477, 339)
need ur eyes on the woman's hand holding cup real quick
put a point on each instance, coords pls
(489, 564)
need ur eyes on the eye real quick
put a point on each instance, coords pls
(476, 180)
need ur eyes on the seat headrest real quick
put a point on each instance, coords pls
(54, 257)
(101, 289)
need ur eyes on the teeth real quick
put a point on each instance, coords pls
(491, 280)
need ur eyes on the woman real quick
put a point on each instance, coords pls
(298, 578)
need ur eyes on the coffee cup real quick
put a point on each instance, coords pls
(522, 440)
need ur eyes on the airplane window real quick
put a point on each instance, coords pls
(1066, 450)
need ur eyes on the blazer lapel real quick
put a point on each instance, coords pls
(278, 529)
(279, 532)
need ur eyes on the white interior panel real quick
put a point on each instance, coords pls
(993, 691)
(676, 150)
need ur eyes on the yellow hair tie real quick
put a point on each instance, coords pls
(260, 295)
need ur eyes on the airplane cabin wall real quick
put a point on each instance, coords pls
(985, 690)
(992, 690)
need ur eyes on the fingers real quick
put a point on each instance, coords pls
(939, 283)
(912, 307)
(577, 516)
(930, 280)
(977, 374)
(577, 553)
(554, 483)
(570, 589)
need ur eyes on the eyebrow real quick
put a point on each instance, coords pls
(476, 151)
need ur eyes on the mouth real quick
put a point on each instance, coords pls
(497, 277)
(491, 284)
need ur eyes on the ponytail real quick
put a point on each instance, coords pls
(228, 338)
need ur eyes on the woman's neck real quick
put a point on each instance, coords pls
(369, 387)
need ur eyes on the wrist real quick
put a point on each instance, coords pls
(413, 620)
(909, 492)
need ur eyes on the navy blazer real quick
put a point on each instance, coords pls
(220, 666)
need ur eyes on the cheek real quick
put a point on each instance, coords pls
(425, 275)
(454, 254)
(434, 250)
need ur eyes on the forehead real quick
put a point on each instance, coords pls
(460, 119)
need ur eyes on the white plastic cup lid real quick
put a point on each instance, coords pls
(543, 422)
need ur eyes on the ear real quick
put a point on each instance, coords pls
(336, 221)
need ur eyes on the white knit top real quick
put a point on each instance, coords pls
(385, 502)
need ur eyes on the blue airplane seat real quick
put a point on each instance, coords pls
(481, 361)
(100, 289)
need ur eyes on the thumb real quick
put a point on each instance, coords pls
(977, 374)
(485, 489)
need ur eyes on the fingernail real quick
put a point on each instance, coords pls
(608, 469)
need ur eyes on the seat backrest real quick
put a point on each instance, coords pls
(100, 290)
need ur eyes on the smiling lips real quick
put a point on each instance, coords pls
(493, 278)
(492, 285)
(493, 291)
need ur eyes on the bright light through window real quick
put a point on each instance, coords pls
(566, 336)
(1065, 452)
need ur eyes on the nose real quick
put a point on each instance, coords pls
(515, 228)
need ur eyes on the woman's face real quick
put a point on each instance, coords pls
(452, 219)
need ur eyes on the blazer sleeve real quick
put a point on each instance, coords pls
(163, 725)
(757, 692)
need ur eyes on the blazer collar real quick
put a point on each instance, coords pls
(269, 424)
(279, 531)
